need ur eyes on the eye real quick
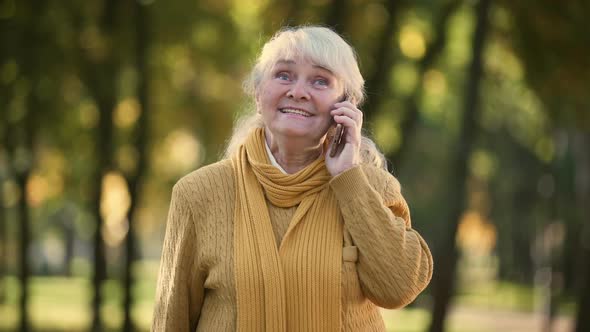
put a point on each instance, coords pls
(321, 82)
(283, 76)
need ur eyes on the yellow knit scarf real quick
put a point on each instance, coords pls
(295, 287)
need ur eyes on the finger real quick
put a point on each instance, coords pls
(346, 121)
(352, 132)
(354, 114)
(345, 103)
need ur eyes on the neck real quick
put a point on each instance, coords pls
(291, 153)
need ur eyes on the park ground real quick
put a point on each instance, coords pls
(60, 304)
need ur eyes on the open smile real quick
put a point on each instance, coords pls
(295, 111)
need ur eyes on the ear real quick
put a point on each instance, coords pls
(345, 97)
(257, 105)
(257, 101)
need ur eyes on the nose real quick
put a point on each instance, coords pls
(298, 91)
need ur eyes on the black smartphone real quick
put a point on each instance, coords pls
(337, 141)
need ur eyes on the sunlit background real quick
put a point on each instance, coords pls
(480, 106)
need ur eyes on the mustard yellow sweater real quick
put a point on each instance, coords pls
(385, 262)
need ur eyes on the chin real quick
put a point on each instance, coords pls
(295, 132)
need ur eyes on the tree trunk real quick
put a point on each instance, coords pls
(376, 84)
(4, 162)
(293, 16)
(104, 152)
(65, 218)
(336, 17)
(523, 168)
(3, 236)
(141, 142)
(70, 237)
(582, 156)
(559, 206)
(24, 240)
(446, 253)
(521, 239)
(20, 163)
(412, 113)
(23, 137)
(100, 77)
(569, 259)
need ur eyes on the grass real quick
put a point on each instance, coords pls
(59, 304)
(63, 304)
(498, 295)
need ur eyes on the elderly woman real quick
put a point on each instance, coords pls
(295, 230)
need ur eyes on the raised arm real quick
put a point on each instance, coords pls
(394, 263)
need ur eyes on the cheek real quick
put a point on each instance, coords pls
(263, 102)
(327, 104)
(268, 98)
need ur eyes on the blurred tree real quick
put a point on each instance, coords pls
(546, 37)
(377, 81)
(198, 52)
(6, 61)
(294, 13)
(22, 131)
(336, 15)
(137, 178)
(554, 55)
(445, 254)
(3, 223)
(514, 199)
(99, 66)
(411, 114)
(582, 156)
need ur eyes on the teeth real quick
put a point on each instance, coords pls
(290, 110)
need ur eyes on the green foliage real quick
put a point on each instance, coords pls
(547, 37)
(536, 77)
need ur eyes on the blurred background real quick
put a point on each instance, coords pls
(481, 107)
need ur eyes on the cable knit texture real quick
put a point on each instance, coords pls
(384, 261)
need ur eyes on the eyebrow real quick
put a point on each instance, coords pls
(292, 62)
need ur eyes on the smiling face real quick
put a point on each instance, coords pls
(296, 97)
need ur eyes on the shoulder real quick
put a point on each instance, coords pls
(381, 180)
(390, 190)
(207, 180)
(222, 168)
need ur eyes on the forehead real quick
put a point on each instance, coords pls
(302, 61)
